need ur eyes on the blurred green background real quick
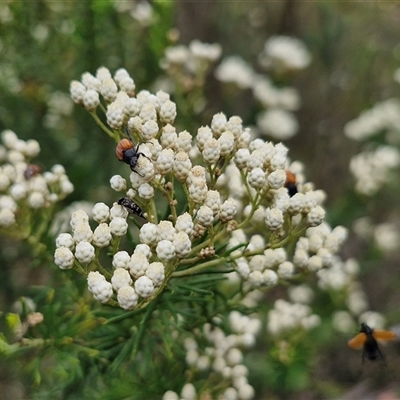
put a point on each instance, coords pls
(355, 49)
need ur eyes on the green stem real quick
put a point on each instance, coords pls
(103, 127)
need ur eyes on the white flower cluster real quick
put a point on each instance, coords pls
(286, 316)
(190, 57)
(141, 11)
(133, 276)
(383, 116)
(234, 69)
(188, 65)
(284, 53)
(374, 168)
(221, 355)
(277, 120)
(23, 186)
(235, 188)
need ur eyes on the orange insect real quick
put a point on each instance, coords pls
(367, 340)
(290, 183)
(32, 170)
(127, 153)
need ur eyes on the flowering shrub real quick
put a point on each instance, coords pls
(214, 251)
(28, 193)
(232, 186)
(204, 198)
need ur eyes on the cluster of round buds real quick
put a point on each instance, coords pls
(134, 276)
(286, 316)
(124, 107)
(235, 188)
(24, 187)
(188, 65)
(222, 355)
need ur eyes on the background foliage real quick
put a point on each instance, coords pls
(45, 44)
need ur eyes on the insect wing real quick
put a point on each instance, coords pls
(383, 336)
(358, 341)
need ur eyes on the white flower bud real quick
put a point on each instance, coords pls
(165, 161)
(102, 235)
(182, 166)
(99, 287)
(256, 278)
(165, 250)
(168, 112)
(315, 263)
(234, 356)
(131, 107)
(211, 151)
(256, 178)
(127, 85)
(241, 158)
(63, 257)
(300, 258)
(278, 161)
(168, 137)
(120, 75)
(316, 216)
(198, 189)
(273, 218)
(148, 233)
(218, 124)
(309, 202)
(234, 125)
(184, 142)
(78, 217)
(82, 233)
(127, 297)
(77, 91)
(243, 268)
(146, 191)
(188, 392)
(135, 123)
(156, 272)
(204, 133)
(18, 191)
(170, 395)
(182, 244)
(36, 200)
(270, 277)
(118, 183)
(226, 143)
(120, 278)
(228, 210)
(115, 116)
(91, 100)
(276, 179)
(118, 226)
(138, 264)
(148, 112)
(121, 259)
(258, 262)
(84, 252)
(32, 148)
(213, 201)
(296, 204)
(184, 223)
(205, 216)
(149, 130)
(285, 269)
(65, 240)
(101, 212)
(144, 286)
(143, 249)
(109, 89)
